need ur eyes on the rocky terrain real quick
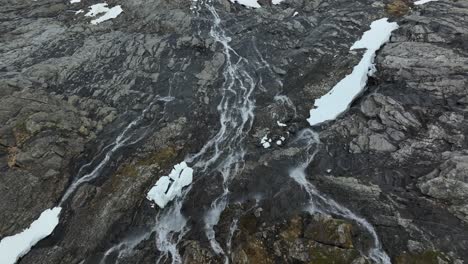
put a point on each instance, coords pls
(92, 115)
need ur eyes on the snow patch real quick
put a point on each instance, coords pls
(422, 2)
(280, 124)
(277, 2)
(109, 13)
(14, 247)
(337, 101)
(168, 187)
(248, 3)
(265, 141)
(74, 1)
(280, 141)
(252, 3)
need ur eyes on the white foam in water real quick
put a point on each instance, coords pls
(168, 187)
(337, 101)
(170, 228)
(14, 247)
(108, 13)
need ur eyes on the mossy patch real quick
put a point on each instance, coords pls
(161, 157)
(427, 257)
(128, 170)
(256, 252)
(248, 224)
(321, 254)
(293, 230)
(398, 8)
(330, 231)
(12, 152)
(21, 133)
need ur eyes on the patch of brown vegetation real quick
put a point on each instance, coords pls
(12, 152)
(21, 134)
(398, 8)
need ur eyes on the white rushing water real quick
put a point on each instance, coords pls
(319, 203)
(329, 107)
(224, 154)
(16, 246)
(236, 118)
(122, 140)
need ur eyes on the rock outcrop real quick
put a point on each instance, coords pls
(154, 77)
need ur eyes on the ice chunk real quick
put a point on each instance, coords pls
(168, 187)
(265, 141)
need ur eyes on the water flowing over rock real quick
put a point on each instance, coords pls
(101, 101)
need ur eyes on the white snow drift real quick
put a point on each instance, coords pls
(108, 13)
(422, 2)
(253, 3)
(14, 247)
(337, 101)
(168, 187)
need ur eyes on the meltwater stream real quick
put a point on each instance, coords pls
(122, 140)
(19, 245)
(224, 154)
(320, 203)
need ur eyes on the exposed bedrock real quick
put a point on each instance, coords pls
(398, 158)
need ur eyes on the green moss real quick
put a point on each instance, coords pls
(398, 8)
(427, 257)
(248, 224)
(161, 157)
(330, 231)
(256, 252)
(293, 230)
(20, 132)
(128, 170)
(323, 254)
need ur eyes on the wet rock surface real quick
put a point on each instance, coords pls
(398, 158)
